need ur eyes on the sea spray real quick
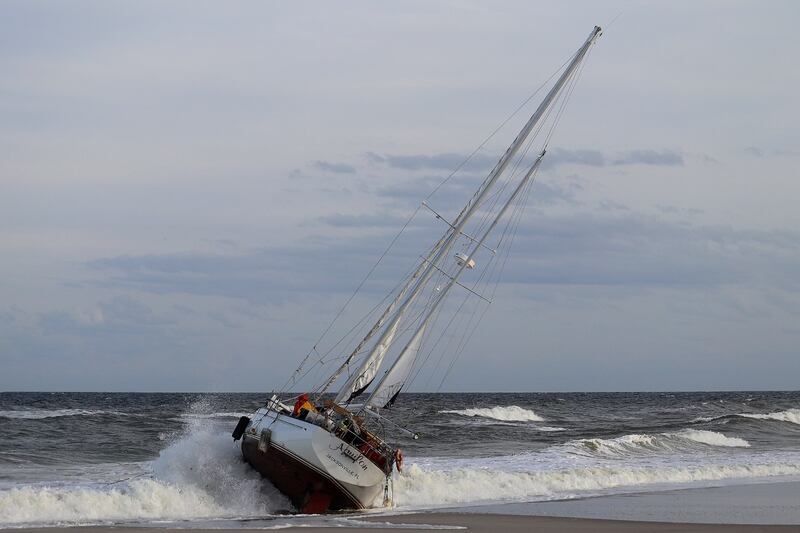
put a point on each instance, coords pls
(711, 438)
(140, 499)
(199, 475)
(39, 414)
(211, 460)
(140, 457)
(421, 487)
(790, 415)
(686, 440)
(511, 413)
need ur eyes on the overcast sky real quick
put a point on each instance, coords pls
(190, 190)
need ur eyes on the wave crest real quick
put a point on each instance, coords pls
(214, 415)
(200, 475)
(712, 438)
(511, 413)
(790, 415)
(686, 439)
(37, 414)
(419, 487)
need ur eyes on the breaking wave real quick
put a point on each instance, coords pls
(686, 439)
(36, 414)
(214, 415)
(200, 475)
(790, 415)
(418, 486)
(712, 438)
(511, 413)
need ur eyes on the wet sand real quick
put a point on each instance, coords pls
(742, 508)
(755, 503)
(479, 523)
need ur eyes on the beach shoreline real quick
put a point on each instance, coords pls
(479, 523)
(770, 506)
(768, 502)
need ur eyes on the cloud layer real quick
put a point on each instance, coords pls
(189, 193)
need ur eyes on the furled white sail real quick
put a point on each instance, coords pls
(393, 380)
(369, 368)
(396, 312)
(396, 377)
(408, 316)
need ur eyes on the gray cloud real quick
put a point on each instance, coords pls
(629, 249)
(650, 157)
(411, 191)
(338, 168)
(118, 315)
(561, 156)
(752, 150)
(148, 193)
(555, 157)
(7, 317)
(761, 152)
(616, 247)
(595, 158)
(263, 276)
(363, 221)
(442, 161)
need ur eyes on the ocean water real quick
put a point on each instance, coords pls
(102, 458)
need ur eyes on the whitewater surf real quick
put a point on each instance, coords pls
(175, 460)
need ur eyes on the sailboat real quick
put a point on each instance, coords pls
(326, 452)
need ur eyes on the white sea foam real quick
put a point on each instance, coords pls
(662, 442)
(140, 499)
(200, 475)
(706, 418)
(790, 415)
(35, 414)
(214, 415)
(617, 446)
(419, 487)
(511, 413)
(712, 438)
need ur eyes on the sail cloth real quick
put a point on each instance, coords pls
(394, 378)
(369, 367)
(366, 372)
(389, 387)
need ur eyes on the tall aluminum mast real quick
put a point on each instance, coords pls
(409, 352)
(394, 378)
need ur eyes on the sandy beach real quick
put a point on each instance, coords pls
(739, 508)
(753, 504)
(479, 523)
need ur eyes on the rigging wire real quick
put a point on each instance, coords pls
(321, 361)
(563, 97)
(472, 329)
(487, 216)
(518, 212)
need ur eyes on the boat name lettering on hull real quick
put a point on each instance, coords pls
(341, 465)
(357, 458)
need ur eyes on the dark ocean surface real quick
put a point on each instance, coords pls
(68, 458)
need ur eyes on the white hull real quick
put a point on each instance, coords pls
(300, 459)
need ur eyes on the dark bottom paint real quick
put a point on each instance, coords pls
(307, 488)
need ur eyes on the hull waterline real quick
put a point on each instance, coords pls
(316, 470)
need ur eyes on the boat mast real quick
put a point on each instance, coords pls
(413, 345)
(406, 358)
(348, 389)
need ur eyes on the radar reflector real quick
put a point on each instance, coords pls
(463, 259)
